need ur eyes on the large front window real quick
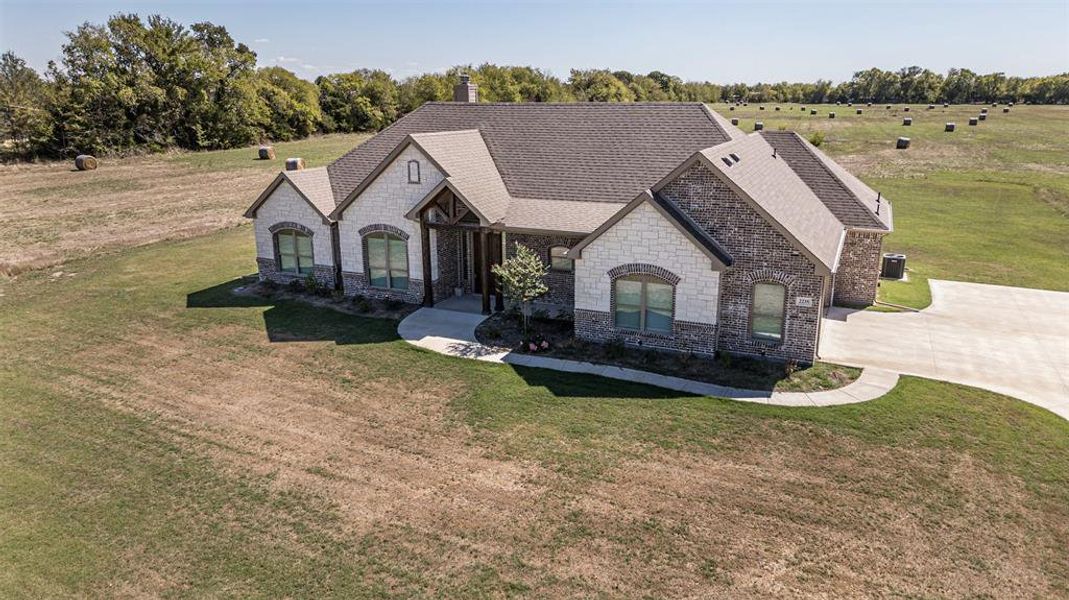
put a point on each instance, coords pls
(769, 301)
(643, 303)
(294, 250)
(387, 261)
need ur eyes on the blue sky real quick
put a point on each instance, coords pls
(716, 41)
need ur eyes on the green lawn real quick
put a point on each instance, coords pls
(988, 204)
(317, 151)
(162, 436)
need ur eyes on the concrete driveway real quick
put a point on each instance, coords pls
(1014, 341)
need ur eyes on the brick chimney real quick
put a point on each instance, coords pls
(465, 91)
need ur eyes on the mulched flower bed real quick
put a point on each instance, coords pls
(505, 330)
(333, 299)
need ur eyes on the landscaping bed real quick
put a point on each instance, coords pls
(555, 338)
(329, 298)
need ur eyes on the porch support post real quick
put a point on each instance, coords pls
(499, 292)
(425, 242)
(484, 260)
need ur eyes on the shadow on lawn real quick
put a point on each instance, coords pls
(580, 385)
(293, 321)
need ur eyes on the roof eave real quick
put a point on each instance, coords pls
(251, 212)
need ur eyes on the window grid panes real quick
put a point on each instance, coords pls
(769, 303)
(387, 261)
(644, 303)
(559, 261)
(413, 171)
(294, 251)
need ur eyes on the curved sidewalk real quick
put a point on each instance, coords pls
(453, 333)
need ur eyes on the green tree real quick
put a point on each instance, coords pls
(599, 85)
(24, 101)
(522, 277)
(359, 101)
(292, 104)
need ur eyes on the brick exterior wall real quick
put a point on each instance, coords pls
(686, 336)
(859, 268)
(761, 253)
(561, 284)
(268, 267)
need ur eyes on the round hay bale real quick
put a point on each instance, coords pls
(946, 105)
(831, 115)
(973, 121)
(868, 104)
(1011, 104)
(732, 107)
(931, 106)
(949, 127)
(902, 143)
(777, 109)
(907, 122)
(801, 108)
(735, 121)
(982, 116)
(85, 162)
(1005, 109)
(266, 152)
(983, 111)
(906, 109)
(849, 103)
(812, 111)
(758, 126)
(294, 164)
(888, 107)
(858, 111)
(760, 108)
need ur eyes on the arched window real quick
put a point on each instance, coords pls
(293, 250)
(413, 171)
(387, 260)
(644, 303)
(769, 307)
(559, 261)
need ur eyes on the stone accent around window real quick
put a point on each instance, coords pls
(859, 268)
(761, 253)
(324, 274)
(561, 283)
(686, 336)
(290, 225)
(364, 231)
(644, 269)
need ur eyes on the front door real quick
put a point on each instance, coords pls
(494, 254)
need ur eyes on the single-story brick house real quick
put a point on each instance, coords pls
(662, 224)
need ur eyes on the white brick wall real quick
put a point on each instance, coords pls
(285, 204)
(644, 236)
(386, 201)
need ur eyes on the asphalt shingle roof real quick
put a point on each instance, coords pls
(469, 168)
(315, 185)
(574, 152)
(848, 198)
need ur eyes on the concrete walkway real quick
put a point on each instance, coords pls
(1014, 341)
(453, 333)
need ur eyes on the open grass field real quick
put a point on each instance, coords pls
(987, 204)
(51, 213)
(161, 436)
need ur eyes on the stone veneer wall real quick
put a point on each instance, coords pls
(269, 271)
(760, 253)
(859, 268)
(286, 209)
(561, 284)
(644, 241)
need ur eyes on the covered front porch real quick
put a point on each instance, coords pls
(466, 251)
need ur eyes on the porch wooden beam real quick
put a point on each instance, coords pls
(425, 242)
(484, 259)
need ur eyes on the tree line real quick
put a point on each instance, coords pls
(148, 85)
